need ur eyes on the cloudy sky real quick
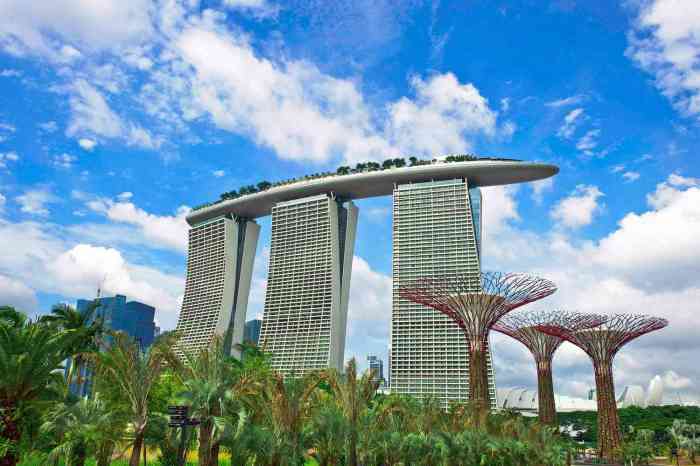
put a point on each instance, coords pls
(117, 116)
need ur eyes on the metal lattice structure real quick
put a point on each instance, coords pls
(602, 343)
(476, 303)
(522, 326)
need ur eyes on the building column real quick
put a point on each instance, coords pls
(220, 259)
(306, 302)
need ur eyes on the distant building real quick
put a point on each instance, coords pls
(134, 318)
(252, 331)
(377, 366)
(592, 394)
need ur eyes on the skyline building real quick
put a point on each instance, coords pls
(377, 366)
(436, 233)
(252, 331)
(306, 301)
(134, 318)
(220, 256)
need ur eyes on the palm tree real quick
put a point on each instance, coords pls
(125, 365)
(328, 429)
(80, 429)
(353, 395)
(87, 328)
(213, 381)
(284, 404)
(12, 317)
(30, 354)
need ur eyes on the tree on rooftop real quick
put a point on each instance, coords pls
(522, 326)
(602, 343)
(475, 303)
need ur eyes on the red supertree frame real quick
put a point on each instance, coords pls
(522, 326)
(602, 343)
(476, 303)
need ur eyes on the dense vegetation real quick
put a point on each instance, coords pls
(248, 413)
(344, 170)
(657, 419)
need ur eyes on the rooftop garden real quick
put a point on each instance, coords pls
(388, 164)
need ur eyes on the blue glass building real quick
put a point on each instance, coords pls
(252, 331)
(133, 318)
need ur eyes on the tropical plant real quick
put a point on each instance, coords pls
(328, 430)
(80, 428)
(125, 365)
(31, 353)
(87, 328)
(353, 395)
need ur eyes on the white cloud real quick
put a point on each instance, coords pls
(125, 196)
(17, 294)
(218, 173)
(617, 168)
(48, 126)
(10, 73)
(6, 130)
(665, 42)
(3, 201)
(540, 187)
(42, 261)
(35, 201)
(64, 160)
(567, 101)
(631, 176)
(668, 191)
(567, 129)
(369, 312)
(505, 104)
(92, 115)
(588, 141)
(502, 208)
(6, 157)
(165, 231)
(87, 144)
(577, 210)
(437, 121)
(56, 29)
(667, 235)
(646, 264)
(257, 7)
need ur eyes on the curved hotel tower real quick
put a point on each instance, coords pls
(436, 232)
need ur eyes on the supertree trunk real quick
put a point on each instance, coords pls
(545, 393)
(609, 436)
(478, 381)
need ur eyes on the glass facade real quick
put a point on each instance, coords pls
(134, 318)
(251, 333)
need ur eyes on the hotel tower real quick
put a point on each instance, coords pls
(436, 233)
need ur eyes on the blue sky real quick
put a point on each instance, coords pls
(117, 116)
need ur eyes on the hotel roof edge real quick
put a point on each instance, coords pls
(376, 183)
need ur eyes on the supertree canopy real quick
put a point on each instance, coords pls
(522, 326)
(602, 343)
(476, 303)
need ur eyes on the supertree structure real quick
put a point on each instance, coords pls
(475, 303)
(522, 326)
(602, 343)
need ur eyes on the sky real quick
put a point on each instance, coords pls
(118, 116)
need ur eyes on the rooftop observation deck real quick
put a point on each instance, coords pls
(376, 183)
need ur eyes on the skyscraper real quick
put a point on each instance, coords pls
(436, 233)
(134, 318)
(220, 259)
(376, 365)
(251, 333)
(308, 284)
